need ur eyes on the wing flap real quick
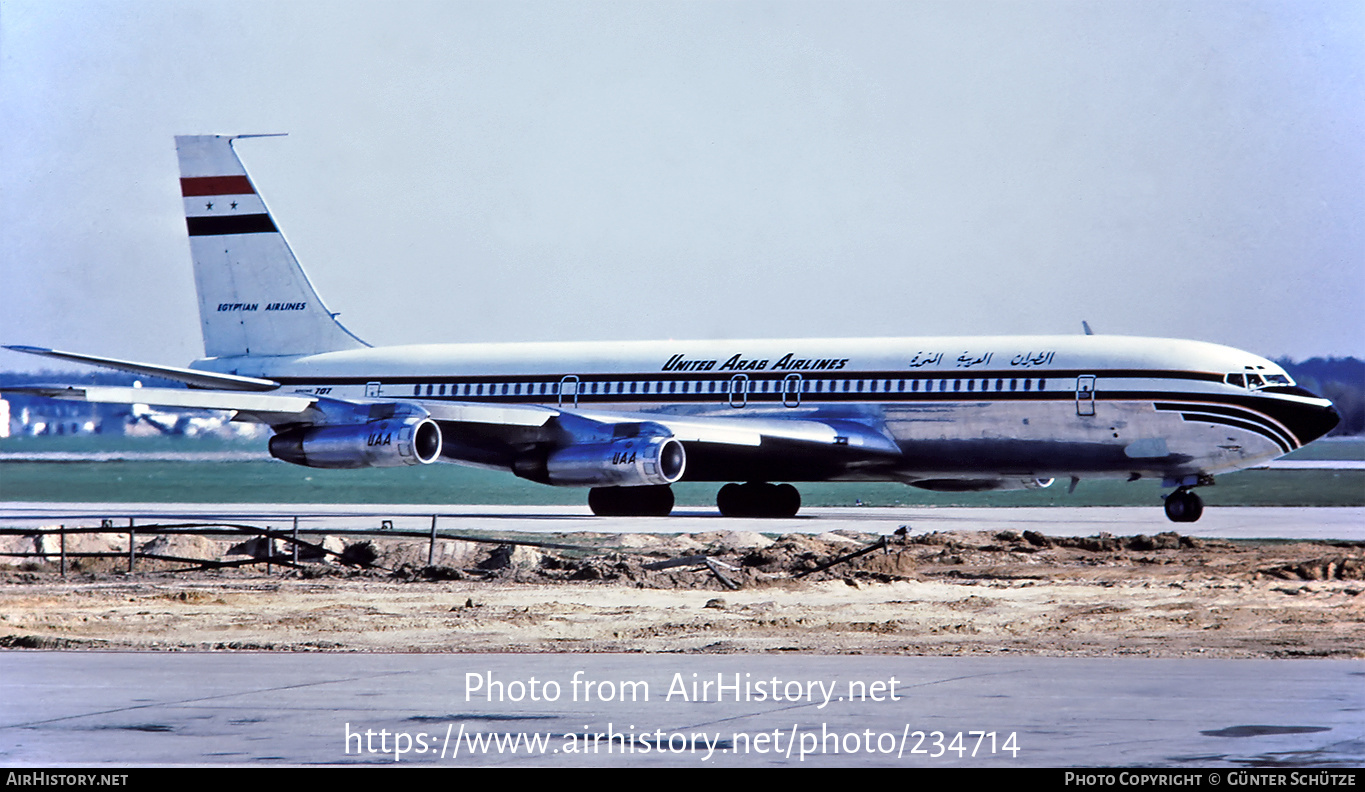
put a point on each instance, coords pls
(497, 414)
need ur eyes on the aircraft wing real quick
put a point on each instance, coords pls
(192, 377)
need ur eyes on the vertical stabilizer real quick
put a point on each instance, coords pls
(254, 298)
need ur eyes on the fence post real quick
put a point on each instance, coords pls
(132, 544)
(63, 550)
(296, 541)
(431, 548)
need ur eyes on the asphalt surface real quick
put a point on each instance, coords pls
(1231, 522)
(95, 708)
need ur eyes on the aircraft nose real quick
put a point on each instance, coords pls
(1313, 421)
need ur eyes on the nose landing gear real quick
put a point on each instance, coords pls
(1184, 506)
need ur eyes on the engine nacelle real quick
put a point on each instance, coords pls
(386, 443)
(646, 460)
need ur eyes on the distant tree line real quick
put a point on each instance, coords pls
(1340, 379)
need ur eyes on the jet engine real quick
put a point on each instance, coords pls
(645, 460)
(385, 443)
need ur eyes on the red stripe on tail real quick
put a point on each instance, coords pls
(215, 185)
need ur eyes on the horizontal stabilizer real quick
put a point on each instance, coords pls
(175, 397)
(191, 377)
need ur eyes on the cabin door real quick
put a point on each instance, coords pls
(1085, 394)
(739, 390)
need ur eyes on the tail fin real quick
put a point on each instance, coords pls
(254, 298)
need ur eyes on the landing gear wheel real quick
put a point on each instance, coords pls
(730, 501)
(631, 501)
(758, 499)
(786, 501)
(1184, 506)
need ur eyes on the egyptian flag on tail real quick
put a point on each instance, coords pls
(219, 198)
(254, 298)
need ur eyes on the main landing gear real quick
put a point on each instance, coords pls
(758, 499)
(654, 501)
(1184, 506)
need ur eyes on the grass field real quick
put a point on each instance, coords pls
(276, 482)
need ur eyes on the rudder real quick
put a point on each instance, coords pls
(254, 298)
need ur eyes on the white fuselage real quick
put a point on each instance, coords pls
(952, 407)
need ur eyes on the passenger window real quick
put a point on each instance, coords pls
(416, 390)
(957, 385)
(1042, 384)
(999, 384)
(1027, 384)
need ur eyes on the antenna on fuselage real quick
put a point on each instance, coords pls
(1086, 327)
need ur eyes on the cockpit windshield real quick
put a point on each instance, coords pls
(1254, 380)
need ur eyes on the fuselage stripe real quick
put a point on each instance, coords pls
(1220, 412)
(1250, 427)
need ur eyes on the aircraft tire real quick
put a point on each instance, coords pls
(729, 501)
(758, 499)
(786, 501)
(1184, 506)
(654, 501)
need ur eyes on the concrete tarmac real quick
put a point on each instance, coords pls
(84, 708)
(95, 708)
(1232, 522)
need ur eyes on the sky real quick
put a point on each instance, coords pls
(532, 171)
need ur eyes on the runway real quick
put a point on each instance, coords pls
(248, 708)
(1231, 522)
(95, 708)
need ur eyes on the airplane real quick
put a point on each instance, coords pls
(629, 419)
